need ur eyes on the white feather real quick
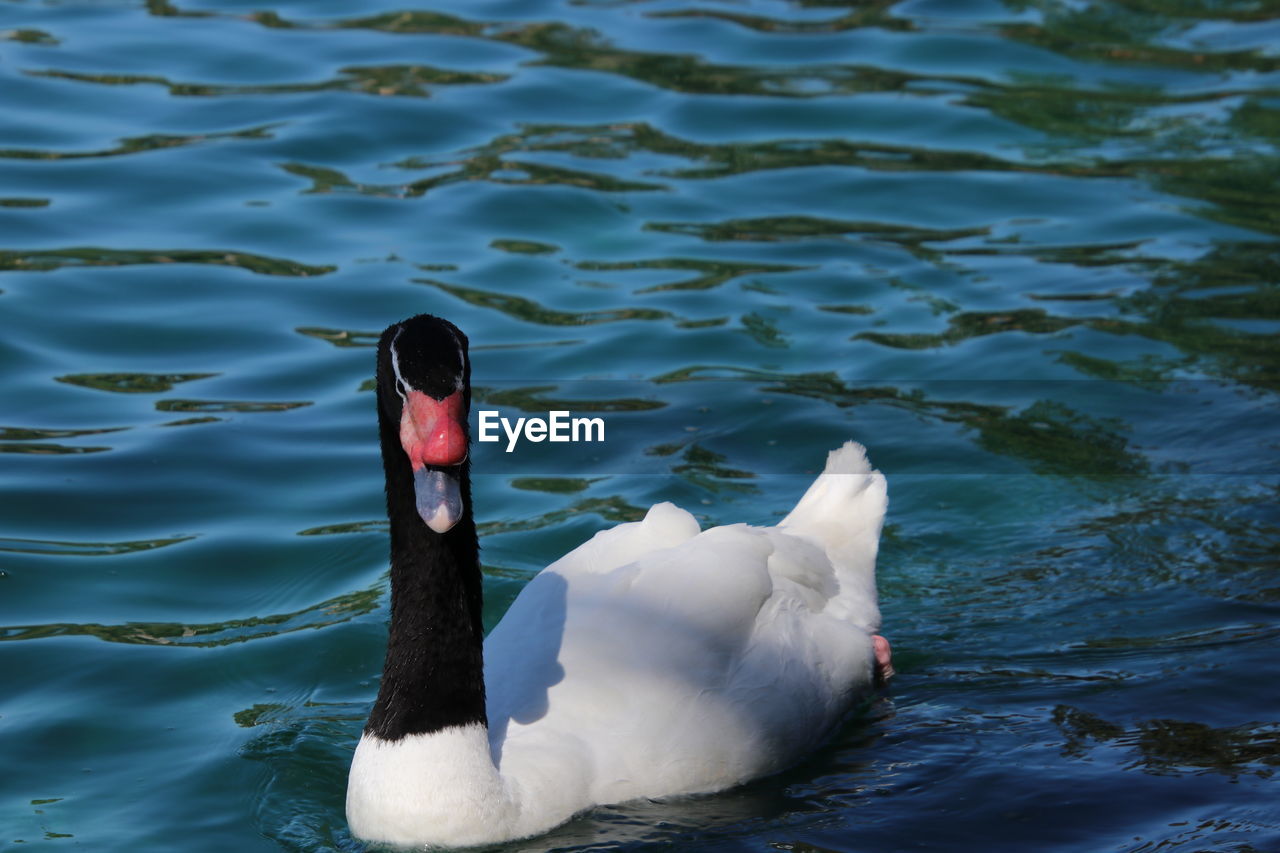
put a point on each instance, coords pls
(653, 660)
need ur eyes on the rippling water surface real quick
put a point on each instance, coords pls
(1025, 251)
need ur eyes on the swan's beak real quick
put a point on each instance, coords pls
(434, 436)
(438, 499)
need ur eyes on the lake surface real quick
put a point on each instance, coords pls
(1026, 252)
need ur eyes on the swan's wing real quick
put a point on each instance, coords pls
(658, 660)
(582, 599)
(581, 640)
(690, 669)
(664, 526)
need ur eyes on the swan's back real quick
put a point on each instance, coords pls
(657, 660)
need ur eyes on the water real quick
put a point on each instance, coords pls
(1026, 252)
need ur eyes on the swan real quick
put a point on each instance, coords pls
(655, 659)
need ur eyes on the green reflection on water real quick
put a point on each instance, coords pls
(399, 22)
(707, 469)
(338, 609)
(131, 383)
(874, 13)
(340, 337)
(613, 509)
(524, 247)
(567, 46)
(53, 259)
(1184, 306)
(378, 526)
(1055, 439)
(275, 713)
(709, 323)
(532, 312)
(263, 712)
(713, 273)
(138, 144)
(848, 309)
(402, 80)
(167, 9)
(568, 342)
(585, 49)
(48, 449)
(1170, 747)
(531, 399)
(29, 36)
(1125, 33)
(227, 406)
(963, 327)
(523, 172)
(552, 485)
(481, 167)
(788, 228)
(37, 434)
(1243, 189)
(55, 548)
(763, 330)
(619, 140)
(192, 421)
(1149, 372)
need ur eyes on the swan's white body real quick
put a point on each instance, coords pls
(653, 660)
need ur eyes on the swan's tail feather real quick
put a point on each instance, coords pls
(844, 510)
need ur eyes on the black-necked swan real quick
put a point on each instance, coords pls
(653, 660)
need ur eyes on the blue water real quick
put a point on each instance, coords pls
(1026, 252)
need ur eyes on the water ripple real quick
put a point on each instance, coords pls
(336, 610)
(45, 449)
(877, 13)
(400, 80)
(139, 144)
(243, 406)
(39, 37)
(481, 168)
(790, 228)
(53, 259)
(712, 273)
(531, 311)
(38, 434)
(34, 441)
(131, 383)
(54, 548)
(1164, 746)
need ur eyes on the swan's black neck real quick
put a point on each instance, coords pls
(433, 677)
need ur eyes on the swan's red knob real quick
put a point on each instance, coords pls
(434, 432)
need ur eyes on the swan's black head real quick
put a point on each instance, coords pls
(424, 385)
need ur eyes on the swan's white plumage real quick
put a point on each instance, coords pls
(653, 660)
